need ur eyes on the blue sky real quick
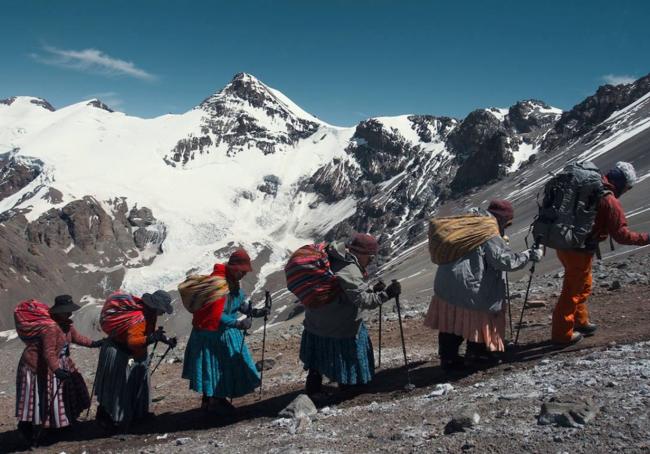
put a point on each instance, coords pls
(343, 61)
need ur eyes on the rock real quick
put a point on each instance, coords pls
(268, 364)
(301, 406)
(568, 411)
(616, 285)
(300, 425)
(440, 390)
(535, 303)
(183, 441)
(467, 417)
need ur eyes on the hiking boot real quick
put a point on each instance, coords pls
(575, 338)
(314, 382)
(588, 329)
(26, 431)
(454, 364)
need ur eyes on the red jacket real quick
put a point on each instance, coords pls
(44, 354)
(611, 220)
(208, 318)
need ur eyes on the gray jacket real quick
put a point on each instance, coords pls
(342, 317)
(477, 280)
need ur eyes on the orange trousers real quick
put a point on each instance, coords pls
(571, 308)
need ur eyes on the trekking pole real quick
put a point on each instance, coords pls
(169, 347)
(509, 304)
(530, 280)
(380, 317)
(409, 385)
(268, 302)
(92, 393)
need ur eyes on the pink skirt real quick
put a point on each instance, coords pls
(475, 326)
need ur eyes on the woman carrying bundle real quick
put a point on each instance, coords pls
(335, 342)
(122, 380)
(470, 287)
(50, 392)
(217, 361)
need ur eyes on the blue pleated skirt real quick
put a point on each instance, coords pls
(215, 365)
(345, 361)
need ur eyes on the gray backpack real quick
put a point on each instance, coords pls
(568, 210)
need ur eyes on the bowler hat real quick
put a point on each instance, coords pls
(159, 300)
(63, 304)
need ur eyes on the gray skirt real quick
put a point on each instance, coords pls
(122, 384)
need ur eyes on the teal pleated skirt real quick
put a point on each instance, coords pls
(345, 361)
(216, 364)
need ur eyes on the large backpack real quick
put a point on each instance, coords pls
(568, 210)
(120, 312)
(309, 276)
(452, 237)
(31, 318)
(197, 290)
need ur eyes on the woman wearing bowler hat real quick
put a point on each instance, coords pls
(50, 391)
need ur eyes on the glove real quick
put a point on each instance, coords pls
(246, 307)
(62, 374)
(170, 341)
(379, 286)
(98, 343)
(394, 289)
(257, 313)
(156, 336)
(244, 324)
(535, 254)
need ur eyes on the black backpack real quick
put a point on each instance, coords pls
(568, 210)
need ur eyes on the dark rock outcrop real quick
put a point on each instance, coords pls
(586, 115)
(16, 173)
(100, 105)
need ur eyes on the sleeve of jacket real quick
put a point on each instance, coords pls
(356, 290)
(617, 224)
(499, 256)
(78, 338)
(50, 350)
(229, 315)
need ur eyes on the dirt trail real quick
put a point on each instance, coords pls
(622, 317)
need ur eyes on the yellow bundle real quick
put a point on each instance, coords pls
(450, 238)
(198, 290)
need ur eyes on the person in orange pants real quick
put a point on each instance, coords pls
(571, 309)
(570, 316)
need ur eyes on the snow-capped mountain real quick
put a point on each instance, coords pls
(92, 200)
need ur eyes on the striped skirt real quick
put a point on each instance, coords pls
(475, 326)
(345, 361)
(43, 399)
(122, 384)
(218, 364)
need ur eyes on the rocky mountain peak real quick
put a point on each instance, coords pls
(28, 99)
(528, 115)
(594, 110)
(245, 114)
(100, 105)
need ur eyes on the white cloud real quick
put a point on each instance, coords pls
(618, 79)
(91, 60)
